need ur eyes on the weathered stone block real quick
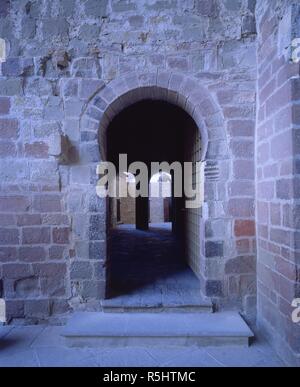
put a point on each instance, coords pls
(4, 105)
(8, 254)
(16, 270)
(9, 128)
(8, 149)
(81, 270)
(50, 269)
(16, 67)
(213, 288)
(36, 235)
(80, 174)
(244, 228)
(9, 236)
(14, 203)
(88, 87)
(47, 203)
(243, 169)
(14, 309)
(89, 153)
(37, 309)
(53, 286)
(239, 265)
(27, 287)
(97, 250)
(214, 249)
(97, 227)
(241, 207)
(93, 289)
(11, 86)
(32, 254)
(37, 150)
(56, 252)
(60, 235)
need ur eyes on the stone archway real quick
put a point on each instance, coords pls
(186, 93)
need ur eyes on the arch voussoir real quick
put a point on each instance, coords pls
(173, 87)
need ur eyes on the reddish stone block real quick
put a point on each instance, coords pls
(243, 246)
(243, 169)
(280, 236)
(15, 203)
(8, 254)
(9, 236)
(241, 188)
(28, 220)
(241, 207)
(16, 270)
(39, 309)
(285, 189)
(50, 269)
(7, 220)
(61, 235)
(9, 128)
(285, 268)
(4, 105)
(32, 254)
(37, 150)
(244, 228)
(275, 214)
(36, 235)
(47, 203)
(239, 265)
(241, 128)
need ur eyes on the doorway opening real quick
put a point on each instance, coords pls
(153, 242)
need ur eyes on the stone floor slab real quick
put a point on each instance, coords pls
(19, 339)
(20, 359)
(65, 357)
(125, 357)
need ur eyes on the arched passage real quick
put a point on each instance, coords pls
(186, 93)
(154, 255)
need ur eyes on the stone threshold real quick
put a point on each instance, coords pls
(93, 329)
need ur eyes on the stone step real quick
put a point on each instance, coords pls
(185, 301)
(98, 329)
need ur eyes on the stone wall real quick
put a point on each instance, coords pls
(61, 55)
(277, 181)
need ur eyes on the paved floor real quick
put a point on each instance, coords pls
(38, 346)
(148, 269)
